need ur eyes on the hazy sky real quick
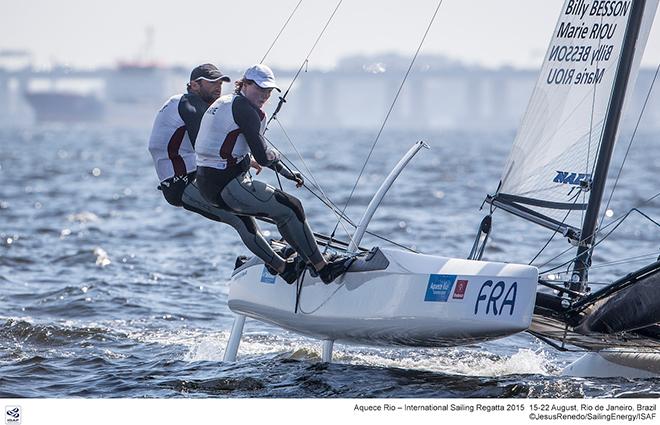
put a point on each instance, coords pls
(89, 33)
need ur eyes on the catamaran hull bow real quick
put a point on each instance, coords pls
(390, 297)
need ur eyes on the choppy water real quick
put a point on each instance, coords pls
(107, 291)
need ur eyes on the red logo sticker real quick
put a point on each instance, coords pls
(459, 292)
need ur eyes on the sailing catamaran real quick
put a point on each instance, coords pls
(554, 177)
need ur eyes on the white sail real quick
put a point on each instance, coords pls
(556, 146)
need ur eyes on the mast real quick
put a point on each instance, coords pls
(583, 258)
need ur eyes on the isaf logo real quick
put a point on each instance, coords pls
(495, 298)
(12, 415)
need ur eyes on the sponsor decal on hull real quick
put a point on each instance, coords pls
(439, 287)
(459, 292)
(266, 277)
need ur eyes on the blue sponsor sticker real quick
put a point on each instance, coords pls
(439, 287)
(266, 277)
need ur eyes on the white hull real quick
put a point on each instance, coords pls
(615, 364)
(410, 300)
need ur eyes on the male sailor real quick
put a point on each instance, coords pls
(175, 128)
(172, 144)
(231, 131)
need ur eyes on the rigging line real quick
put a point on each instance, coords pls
(549, 240)
(309, 171)
(575, 199)
(650, 255)
(324, 302)
(383, 238)
(302, 65)
(328, 203)
(621, 220)
(284, 157)
(632, 138)
(396, 97)
(614, 221)
(595, 232)
(322, 32)
(283, 97)
(281, 31)
(283, 100)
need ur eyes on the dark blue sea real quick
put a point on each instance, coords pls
(106, 291)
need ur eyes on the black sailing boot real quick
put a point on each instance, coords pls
(293, 268)
(335, 268)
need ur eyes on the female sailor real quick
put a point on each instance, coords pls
(231, 131)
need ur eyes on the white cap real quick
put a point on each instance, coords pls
(262, 75)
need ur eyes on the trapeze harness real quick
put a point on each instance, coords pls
(230, 130)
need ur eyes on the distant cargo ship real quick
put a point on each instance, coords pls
(128, 95)
(67, 107)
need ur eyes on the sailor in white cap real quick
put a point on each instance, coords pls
(172, 144)
(230, 134)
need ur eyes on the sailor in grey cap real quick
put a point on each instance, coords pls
(231, 134)
(208, 72)
(206, 81)
(175, 128)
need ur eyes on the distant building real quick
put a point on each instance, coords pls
(439, 94)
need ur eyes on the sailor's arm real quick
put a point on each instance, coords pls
(279, 167)
(191, 109)
(250, 124)
(248, 120)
